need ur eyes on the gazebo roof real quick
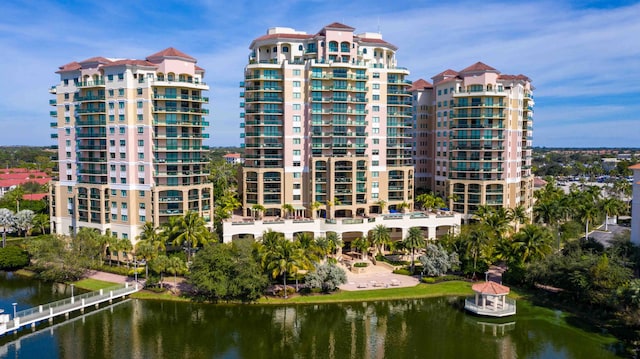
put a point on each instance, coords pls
(492, 288)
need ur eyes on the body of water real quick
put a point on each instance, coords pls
(423, 328)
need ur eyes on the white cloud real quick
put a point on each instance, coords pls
(584, 63)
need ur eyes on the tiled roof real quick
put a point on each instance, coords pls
(377, 41)
(447, 73)
(98, 59)
(232, 155)
(479, 67)
(283, 36)
(130, 62)
(337, 25)
(514, 77)
(635, 167)
(490, 288)
(419, 85)
(34, 196)
(72, 66)
(198, 68)
(170, 52)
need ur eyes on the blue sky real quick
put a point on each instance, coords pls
(583, 56)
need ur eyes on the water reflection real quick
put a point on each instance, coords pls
(435, 327)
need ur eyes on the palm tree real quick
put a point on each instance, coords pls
(148, 252)
(305, 241)
(482, 213)
(335, 240)
(532, 243)
(546, 212)
(402, 206)
(175, 266)
(315, 208)
(170, 229)
(287, 209)
(6, 222)
(227, 203)
(286, 258)
(518, 215)
(160, 265)
(361, 244)
(588, 213)
(611, 207)
(380, 235)
(151, 235)
(193, 232)
(382, 204)
(475, 244)
(268, 243)
(414, 239)
(258, 209)
(41, 221)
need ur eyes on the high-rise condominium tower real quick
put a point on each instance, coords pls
(327, 124)
(473, 138)
(130, 147)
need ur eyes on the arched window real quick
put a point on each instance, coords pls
(285, 48)
(344, 47)
(275, 49)
(171, 76)
(300, 47)
(364, 51)
(333, 46)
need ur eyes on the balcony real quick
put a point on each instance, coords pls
(97, 83)
(81, 111)
(54, 135)
(53, 124)
(203, 111)
(53, 102)
(181, 97)
(88, 98)
(53, 113)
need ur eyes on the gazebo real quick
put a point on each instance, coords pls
(490, 300)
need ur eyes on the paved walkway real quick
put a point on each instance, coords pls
(377, 277)
(108, 277)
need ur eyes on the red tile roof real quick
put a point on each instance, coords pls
(514, 77)
(479, 67)
(198, 68)
(130, 62)
(635, 167)
(420, 84)
(447, 73)
(170, 52)
(337, 25)
(377, 41)
(283, 36)
(98, 59)
(34, 196)
(232, 155)
(490, 288)
(72, 66)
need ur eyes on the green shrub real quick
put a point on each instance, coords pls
(402, 271)
(12, 258)
(361, 264)
(428, 280)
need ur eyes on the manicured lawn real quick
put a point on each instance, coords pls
(455, 288)
(94, 284)
(149, 295)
